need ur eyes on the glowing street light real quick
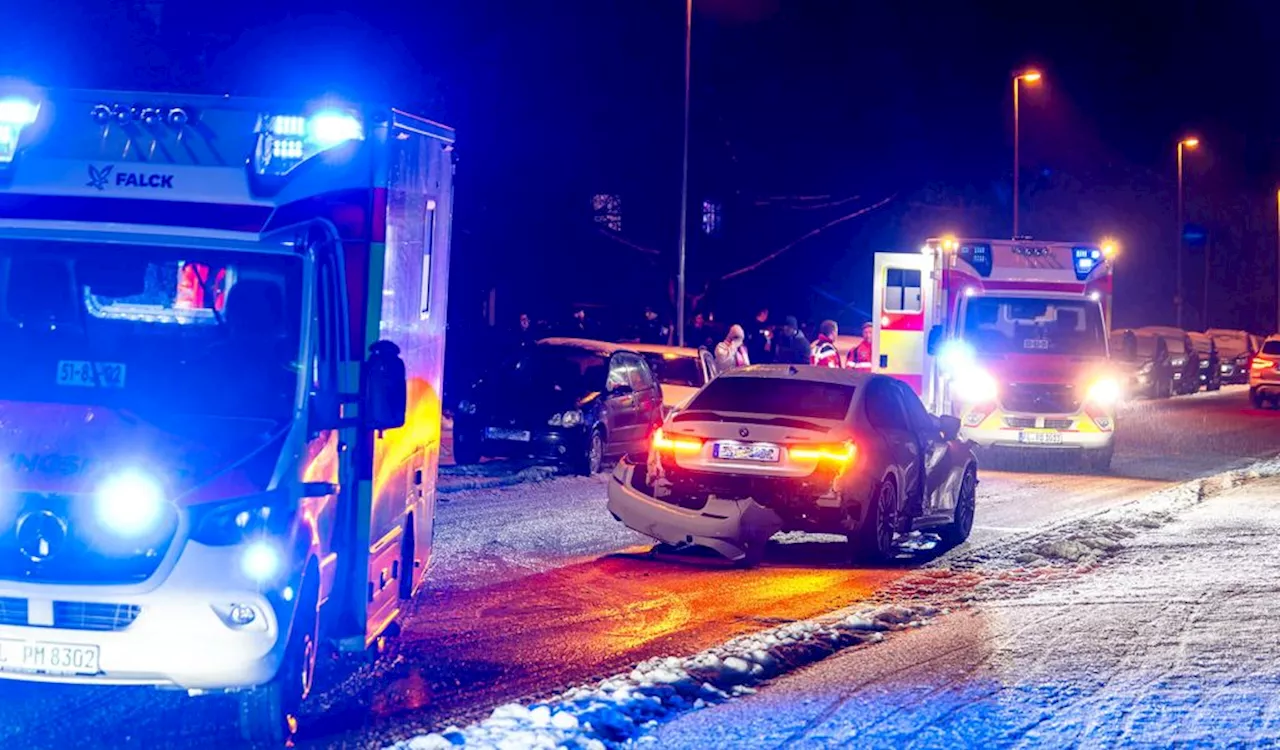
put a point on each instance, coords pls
(1184, 144)
(1029, 76)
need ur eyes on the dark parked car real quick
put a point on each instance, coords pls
(1183, 358)
(1144, 359)
(1210, 362)
(572, 401)
(1236, 349)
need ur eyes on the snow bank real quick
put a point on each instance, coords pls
(621, 709)
(491, 476)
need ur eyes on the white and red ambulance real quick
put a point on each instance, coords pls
(1008, 335)
(223, 326)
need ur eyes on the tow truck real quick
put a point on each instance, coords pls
(1008, 335)
(224, 321)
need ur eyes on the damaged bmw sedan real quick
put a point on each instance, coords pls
(775, 448)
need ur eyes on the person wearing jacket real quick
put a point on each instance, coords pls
(824, 352)
(732, 352)
(759, 341)
(790, 346)
(860, 355)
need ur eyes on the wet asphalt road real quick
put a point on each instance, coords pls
(536, 588)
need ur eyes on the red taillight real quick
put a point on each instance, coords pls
(675, 444)
(840, 453)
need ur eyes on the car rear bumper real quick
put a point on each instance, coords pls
(547, 445)
(725, 526)
(178, 634)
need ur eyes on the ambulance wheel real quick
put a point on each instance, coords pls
(269, 713)
(955, 533)
(1100, 460)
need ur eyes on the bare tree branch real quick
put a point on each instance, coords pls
(629, 243)
(771, 256)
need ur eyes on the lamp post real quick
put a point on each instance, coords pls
(1030, 76)
(1277, 260)
(684, 173)
(1183, 144)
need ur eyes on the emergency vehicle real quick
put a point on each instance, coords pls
(1008, 335)
(219, 411)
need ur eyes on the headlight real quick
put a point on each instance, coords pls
(974, 385)
(232, 522)
(956, 356)
(261, 562)
(1178, 361)
(130, 504)
(1148, 367)
(1105, 392)
(566, 419)
(466, 407)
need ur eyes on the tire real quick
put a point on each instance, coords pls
(407, 568)
(1100, 460)
(873, 542)
(1255, 398)
(753, 551)
(466, 450)
(955, 533)
(1213, 385)
(269, 713)
(591, 462)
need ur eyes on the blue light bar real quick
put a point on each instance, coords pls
(16, 113)
(1085, 260)
(285, 141)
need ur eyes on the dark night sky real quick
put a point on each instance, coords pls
(556, 101)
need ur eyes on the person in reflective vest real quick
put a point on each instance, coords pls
(825, 353)
(860, 356)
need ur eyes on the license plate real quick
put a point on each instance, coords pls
(1040, 438)
(48, 658)
(84, 374)
(746, 452)
(498, 433)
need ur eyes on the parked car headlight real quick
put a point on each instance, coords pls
(1178, 361)
(466, 407)
(566, 419)
(974, 385)
(1147, 368)
(1105, 391)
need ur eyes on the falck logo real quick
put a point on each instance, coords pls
(98, 177)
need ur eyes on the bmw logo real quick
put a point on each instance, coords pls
(41, 535)
(743, 432)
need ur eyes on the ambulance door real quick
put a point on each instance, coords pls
(903, 299)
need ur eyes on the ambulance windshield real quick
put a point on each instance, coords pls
(1021, 325)
(150, 329)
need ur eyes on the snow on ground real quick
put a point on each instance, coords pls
(1169, 642)
(623, 708)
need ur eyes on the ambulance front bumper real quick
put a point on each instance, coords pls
(192, 631)
(1004, 429)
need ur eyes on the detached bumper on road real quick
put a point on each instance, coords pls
(178, 634)
(721, 525)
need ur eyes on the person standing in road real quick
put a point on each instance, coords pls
(760, 340)
(732, 352)
(824, 352)
(698, 335)
(652, 330)
(860, 355)
(790, 347)
(524, 335)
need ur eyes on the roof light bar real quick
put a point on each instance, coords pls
(285, 141)
(16, 113)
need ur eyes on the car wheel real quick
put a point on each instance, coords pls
(873, 542)
(592, 460)
(1255, 398)
(269, 713)
(956, 532)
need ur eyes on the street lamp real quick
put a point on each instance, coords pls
(684, 173)
(1030, 76)
(1185, 143)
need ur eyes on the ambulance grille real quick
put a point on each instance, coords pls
(94, 616)
(1040, 398)
(13, 611)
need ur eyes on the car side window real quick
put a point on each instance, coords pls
(639, 373)
(619, 372)
(884, 410)
(921, 421)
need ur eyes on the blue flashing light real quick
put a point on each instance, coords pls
(130, 504)
(1085, 260)
(285, 141)
(16, 113)
(978, 255)
(329, 128)
(261, 562)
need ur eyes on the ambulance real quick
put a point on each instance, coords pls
(1010, 336)
(223, 322)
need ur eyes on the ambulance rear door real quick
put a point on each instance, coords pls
(903, 310)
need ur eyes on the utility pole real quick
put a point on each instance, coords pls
(684, 173)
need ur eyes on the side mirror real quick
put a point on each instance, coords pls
(935, 340)
(949, 426)
(384, 388)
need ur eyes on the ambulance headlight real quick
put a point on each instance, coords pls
(956, 356)
(231, 522)
(261, 562)
(973, 385)
(130, 504)
(16, 113)
(1105, 391)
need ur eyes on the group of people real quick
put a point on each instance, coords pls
(787, 345)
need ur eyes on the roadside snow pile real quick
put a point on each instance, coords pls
(621, 709)
(1085, 542)
(491, 475)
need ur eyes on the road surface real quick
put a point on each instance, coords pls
(535, 587)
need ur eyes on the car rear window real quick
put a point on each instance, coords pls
(1271, 348)
(788, 398)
